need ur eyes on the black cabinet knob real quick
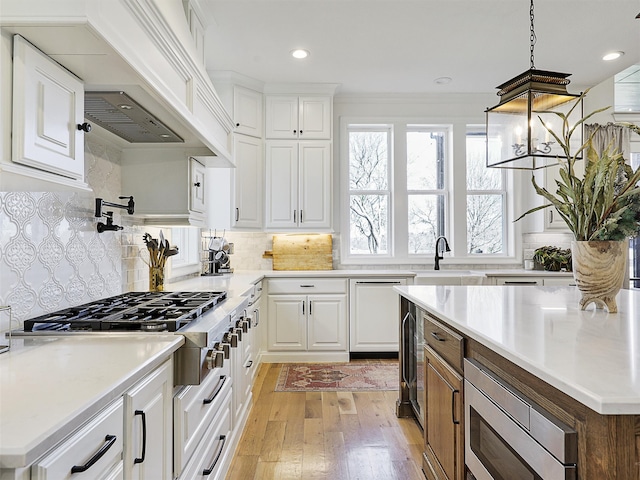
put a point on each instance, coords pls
(197, 184)
(237, 124)
(86, 127)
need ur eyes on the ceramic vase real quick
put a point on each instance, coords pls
(599, 270)
(156, 279)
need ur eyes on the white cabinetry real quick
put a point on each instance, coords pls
(168, 185)
(93, 453)
(307, 314)
(298, 184)
(247, 111)
(293, 117)
(249, 180)
(373, 319)
(148, 427)
(48, 108)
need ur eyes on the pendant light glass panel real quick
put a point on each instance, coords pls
(516, 124)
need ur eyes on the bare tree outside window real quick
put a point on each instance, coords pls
(485, 198)
(426, 157)
(369, 191)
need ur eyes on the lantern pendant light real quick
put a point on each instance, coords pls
(517, 123)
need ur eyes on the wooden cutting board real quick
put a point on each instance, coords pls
(302, 252)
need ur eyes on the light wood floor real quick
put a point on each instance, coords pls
(325, 435)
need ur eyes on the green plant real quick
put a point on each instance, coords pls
(604, 204)
(553, 259)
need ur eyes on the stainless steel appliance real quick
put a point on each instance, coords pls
(195, 315)
(508, 436)
(412, 361)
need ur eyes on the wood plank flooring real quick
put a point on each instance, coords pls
(325, 435)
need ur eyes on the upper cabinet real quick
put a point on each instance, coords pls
(248, 184)
(168, 184)
(247, 111)
(48, 113)
(296, 117)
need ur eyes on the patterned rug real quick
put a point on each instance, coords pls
(337, 377)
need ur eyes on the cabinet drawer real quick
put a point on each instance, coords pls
(193, 409)
(518, 281)
(445, 342)
(96, 446)
(308, 285)
(214, 452)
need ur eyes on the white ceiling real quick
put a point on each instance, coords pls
(402, 46)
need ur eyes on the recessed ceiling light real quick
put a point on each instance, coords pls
(442, 80)
(299, 53)
(612, 56)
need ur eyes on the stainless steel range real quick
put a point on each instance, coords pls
(208, 320)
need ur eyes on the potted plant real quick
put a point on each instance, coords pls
(600, 207)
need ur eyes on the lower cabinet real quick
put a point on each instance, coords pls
(444, 446)
(444, 415)
(307, 322)
(373, 314)
(148, 427)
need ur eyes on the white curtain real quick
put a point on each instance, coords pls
(615, 137)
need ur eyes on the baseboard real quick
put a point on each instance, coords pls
(373, 355)
(305, 357)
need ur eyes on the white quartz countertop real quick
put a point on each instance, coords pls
(51, 386)
(591, 355)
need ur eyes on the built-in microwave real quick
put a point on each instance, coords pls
(508, 436)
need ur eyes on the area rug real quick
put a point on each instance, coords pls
(337, 377)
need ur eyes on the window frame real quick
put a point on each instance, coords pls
(503, 193)
(455, 206)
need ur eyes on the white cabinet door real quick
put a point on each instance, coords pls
(315, 118)
(148, 427)
(282, 184)
(315, 185)
(327, 322)
(293, 117)
(48, 105)
(559, 282)
(247, 111)
(287, 323)
(374, 309)
(197, 187)
(282, 117)
(248, 176)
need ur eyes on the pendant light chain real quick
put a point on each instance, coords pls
(532, 38)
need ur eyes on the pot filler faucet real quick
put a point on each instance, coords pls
(438, 257)
(109, 215)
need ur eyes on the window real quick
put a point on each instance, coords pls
(485, 196)
(406, 184)
(426, 167)
(369, 189)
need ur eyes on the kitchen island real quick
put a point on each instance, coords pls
(583, 367)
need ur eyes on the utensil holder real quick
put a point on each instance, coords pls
(156, 279)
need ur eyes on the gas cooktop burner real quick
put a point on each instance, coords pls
(135, 311)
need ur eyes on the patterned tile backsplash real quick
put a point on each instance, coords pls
(51, 255)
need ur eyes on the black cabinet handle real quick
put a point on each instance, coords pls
(237, 213)
(310, 307)
(221, 440)
(216, 391)
(300, 210)
(437, 337)
(533, 282)
(453, 407)
(110, 440)
(85, 127)
(249, 364)
(295, 216)
(144, 436)
(197, 184)
(303, 302)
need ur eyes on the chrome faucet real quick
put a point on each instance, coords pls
(438, 257)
